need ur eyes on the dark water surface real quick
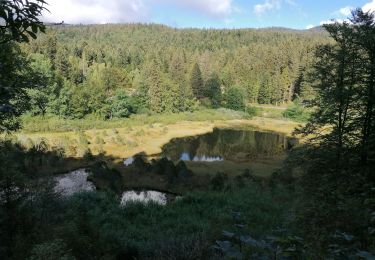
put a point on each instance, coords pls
(229, 145)
(233, 146)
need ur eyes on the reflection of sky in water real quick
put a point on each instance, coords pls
(144, 197)
(75, 181)
(186, 157)
(128, 161)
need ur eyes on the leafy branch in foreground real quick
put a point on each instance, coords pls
(21, 20)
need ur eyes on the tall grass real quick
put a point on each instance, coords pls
(186, 228)
(51, 123)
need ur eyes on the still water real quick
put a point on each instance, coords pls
(147, 196)
(220, 145)
(228, 144)
(72, 182)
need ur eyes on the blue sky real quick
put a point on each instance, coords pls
(299, 14)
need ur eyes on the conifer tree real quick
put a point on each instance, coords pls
(155, 90)
(196, 81)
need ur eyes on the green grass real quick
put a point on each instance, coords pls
(185, 229)
(297, 113)
(52, 123)
(270, 112)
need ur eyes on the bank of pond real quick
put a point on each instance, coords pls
(202, 162)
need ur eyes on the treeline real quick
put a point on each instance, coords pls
(115, 70)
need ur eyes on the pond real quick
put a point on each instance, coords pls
(76, 181)
(228, 145)
(73, 182)
(147, 196)
(222, 150)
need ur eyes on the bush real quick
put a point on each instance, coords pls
(251, 112)
(234, 99)
(87, 155)
(297, 112)
(219, 181)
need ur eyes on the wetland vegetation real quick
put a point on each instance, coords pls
(135, 141)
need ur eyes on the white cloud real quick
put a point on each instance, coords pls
(268, 5)
(95, 11)
(309, 26)
(216, 8)
(346, 11)
(122, 11)
(369, 6)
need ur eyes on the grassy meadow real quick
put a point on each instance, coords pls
(84, 142)
(140, 133)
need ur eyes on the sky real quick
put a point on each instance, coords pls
(297, 14)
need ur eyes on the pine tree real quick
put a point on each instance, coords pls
(196, 82)
(62, 64)
(285, 85)
(155, 90)
(212, 90)
(264, 95)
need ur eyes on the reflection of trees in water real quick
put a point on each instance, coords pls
(236, 144)
(228, 143)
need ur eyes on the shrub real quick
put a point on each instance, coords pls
(219, 181)
(297, 112)
(234, 99)
(87, 155)
(251, 112)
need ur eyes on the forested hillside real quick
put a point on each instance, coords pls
(115, 70)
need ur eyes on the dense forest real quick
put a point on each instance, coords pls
(115, 70)
(318, 205)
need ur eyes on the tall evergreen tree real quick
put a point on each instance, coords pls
(196, 82)
(264, 95)
(155, 90)
(338, 159)
(212, 90)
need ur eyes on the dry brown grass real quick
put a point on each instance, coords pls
(125, 142)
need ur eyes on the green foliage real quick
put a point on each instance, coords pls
(120, 105)
(196, 82)
(159, 72)
(219, 181)
(338, 156)
(57, 124)
(297, 112)
(234, 98)
(239, 245)
(251, 111)
(20, 20)
(51, 250)
(212, 90)
(16, 76)
(265, 91)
